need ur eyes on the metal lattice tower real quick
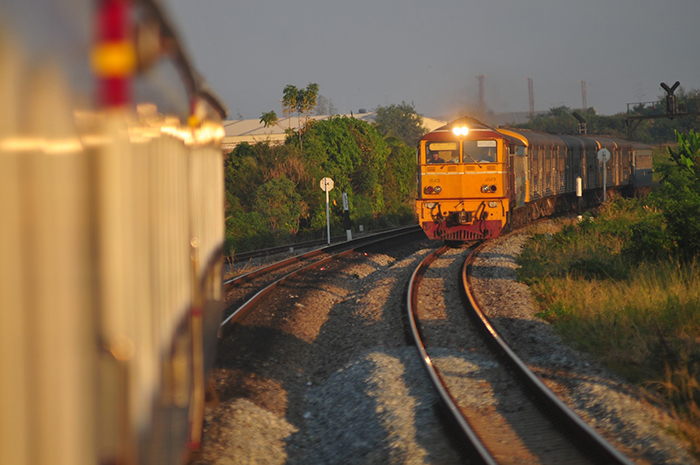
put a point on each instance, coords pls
(482, 104)
(532, 97)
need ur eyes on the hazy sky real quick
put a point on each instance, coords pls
(365, 53)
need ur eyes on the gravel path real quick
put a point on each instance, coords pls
(326, 376)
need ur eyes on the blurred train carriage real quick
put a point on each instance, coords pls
(475, 181)
(111, 211)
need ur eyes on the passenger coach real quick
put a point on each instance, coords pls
(474, 181)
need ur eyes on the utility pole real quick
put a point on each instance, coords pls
(482, 105)
(583, 95)
(532, 97)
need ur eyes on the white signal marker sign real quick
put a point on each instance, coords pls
(326, 184)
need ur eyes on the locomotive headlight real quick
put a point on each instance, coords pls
(438, 189)
(460, 130)
(493, 204)
(429, 205)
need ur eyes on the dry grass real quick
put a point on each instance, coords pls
(641, 319)
(638, 325)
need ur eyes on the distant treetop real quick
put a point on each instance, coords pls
(401, 121)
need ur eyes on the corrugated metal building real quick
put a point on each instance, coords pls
(252, 130)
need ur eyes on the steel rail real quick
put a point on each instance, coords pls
(240, 256)
(328, 249)
(312, 243)
(594, 444)
(226, 325)
(473, 443)
(229, 283)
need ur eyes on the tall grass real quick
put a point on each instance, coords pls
(638, 313)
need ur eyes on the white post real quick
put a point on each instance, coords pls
(346, 216)
(326, 186)
(605, 180)
(328, 219)
(579, 193)
(604, 156)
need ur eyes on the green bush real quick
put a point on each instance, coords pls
(278, 202)
(599, 267)
(613, 285)
(679, 195)
(650, 239)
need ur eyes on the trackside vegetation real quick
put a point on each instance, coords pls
(272, 191)
(624, 285)
(273, 195)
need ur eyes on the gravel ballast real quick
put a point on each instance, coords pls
(326, 375)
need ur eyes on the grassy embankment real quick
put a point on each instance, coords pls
(640, 316)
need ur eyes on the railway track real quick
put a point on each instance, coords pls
(320, 371)
(280, 249)
(525, 422)
(246, 290)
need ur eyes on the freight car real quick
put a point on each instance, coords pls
(111, 233)
(474, 181)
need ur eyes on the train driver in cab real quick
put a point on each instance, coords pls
(435, 158)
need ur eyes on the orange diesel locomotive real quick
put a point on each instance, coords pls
(474, 181)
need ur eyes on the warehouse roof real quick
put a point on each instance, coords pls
(252, 130)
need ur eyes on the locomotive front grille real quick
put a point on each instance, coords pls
(463, 235)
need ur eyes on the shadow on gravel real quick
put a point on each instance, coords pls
(330, 358)
(367, 400)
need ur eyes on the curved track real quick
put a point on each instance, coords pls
(529, 425)
(337, 240)
(294, 265)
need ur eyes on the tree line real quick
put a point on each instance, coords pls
(272, 191)
(674, 227)
(656, 131)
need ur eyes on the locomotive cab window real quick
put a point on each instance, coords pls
(480, 151)
(442, 152)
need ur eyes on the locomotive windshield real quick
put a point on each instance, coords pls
(477, 151)
(442, 152)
